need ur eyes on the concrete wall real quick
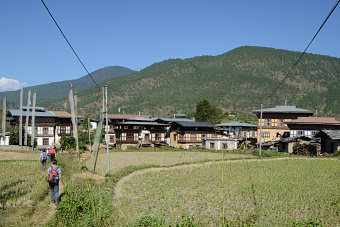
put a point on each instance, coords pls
(14, 148)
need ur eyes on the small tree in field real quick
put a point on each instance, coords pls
(206, 112)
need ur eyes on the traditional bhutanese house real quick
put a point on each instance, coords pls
(309, 126)
(49, 126)
(273, 121)
(136, 130)
(330, 140)
(189, 134)
(170, 121)
(237, 130)
(220, 143)
(140, 134)
(45, 123)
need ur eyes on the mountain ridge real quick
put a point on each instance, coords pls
(238, 80)
(55, 90)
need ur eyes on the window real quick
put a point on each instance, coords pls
(45, 130)
(193, 137)
(280, 122)
(40, 130)
(174, 137)
(130, 137)
(212, 145)
(224, 145)
(266, 135)
(267, 122)
(50, 130)
(29, 130)
(46, 141)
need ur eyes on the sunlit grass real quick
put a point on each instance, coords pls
(262, 193)
(120, 160)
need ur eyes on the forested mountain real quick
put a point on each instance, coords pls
(57, 90)
(239, 80)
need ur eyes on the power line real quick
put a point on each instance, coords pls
(42, 1)
(330, 13)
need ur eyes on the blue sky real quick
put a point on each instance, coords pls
(136, 34)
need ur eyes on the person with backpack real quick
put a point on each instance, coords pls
(43, 158)
(53, 154)
(53, 178)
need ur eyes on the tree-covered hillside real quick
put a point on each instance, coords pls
(56, 90)
(239, 80)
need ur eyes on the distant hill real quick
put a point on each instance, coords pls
(57, 90)
(239, 80)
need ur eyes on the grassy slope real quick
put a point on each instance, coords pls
(238, 80)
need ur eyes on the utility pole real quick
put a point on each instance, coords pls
(89, 130)
(260, 131)
(107, 133)
(76, 123)
(20, 118)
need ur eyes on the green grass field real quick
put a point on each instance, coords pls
(286, 192)
(120, 160)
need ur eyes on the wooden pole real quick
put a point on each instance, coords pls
(33, 119)
(27, 115)
(20, 118)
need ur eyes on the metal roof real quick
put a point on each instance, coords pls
(16, 113)
(142, 123)
(314, 121)
(126, 116)
(194, 124)
(237, 124)
(40, 109)
(333, 134)
(142, 119)
(286, 109)
(175, 119)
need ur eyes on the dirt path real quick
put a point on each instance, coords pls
(52, 207)
(120, 184)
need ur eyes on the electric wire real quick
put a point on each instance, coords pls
(80, 61)
(301, 55)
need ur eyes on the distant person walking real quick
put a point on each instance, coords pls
(53, 154)
(43, 159)
(48, 155)
(53, 178)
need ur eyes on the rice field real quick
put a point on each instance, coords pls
(269, 192)
(120, 160)
(20, 173)
(22, 155)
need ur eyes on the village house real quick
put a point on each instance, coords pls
(330, 140)
(50, 126)
(189, 134)
(135, 130)
(309, 126)
(273, 121)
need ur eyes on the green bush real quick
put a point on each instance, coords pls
(149, 221)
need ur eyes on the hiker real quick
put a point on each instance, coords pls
(53, 154)
(48, 154)
(53, 178)
(43, 158)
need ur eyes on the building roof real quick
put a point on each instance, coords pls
(62, 114)
(195, 124)
(175, 119)
(143, 119)
(333, 134)
(126, 116)
(237, 124)
(283, 109)
(314, 121)
(142, 123)
(16, 113)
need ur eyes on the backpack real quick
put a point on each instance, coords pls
(53, 175)
(43, 156)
